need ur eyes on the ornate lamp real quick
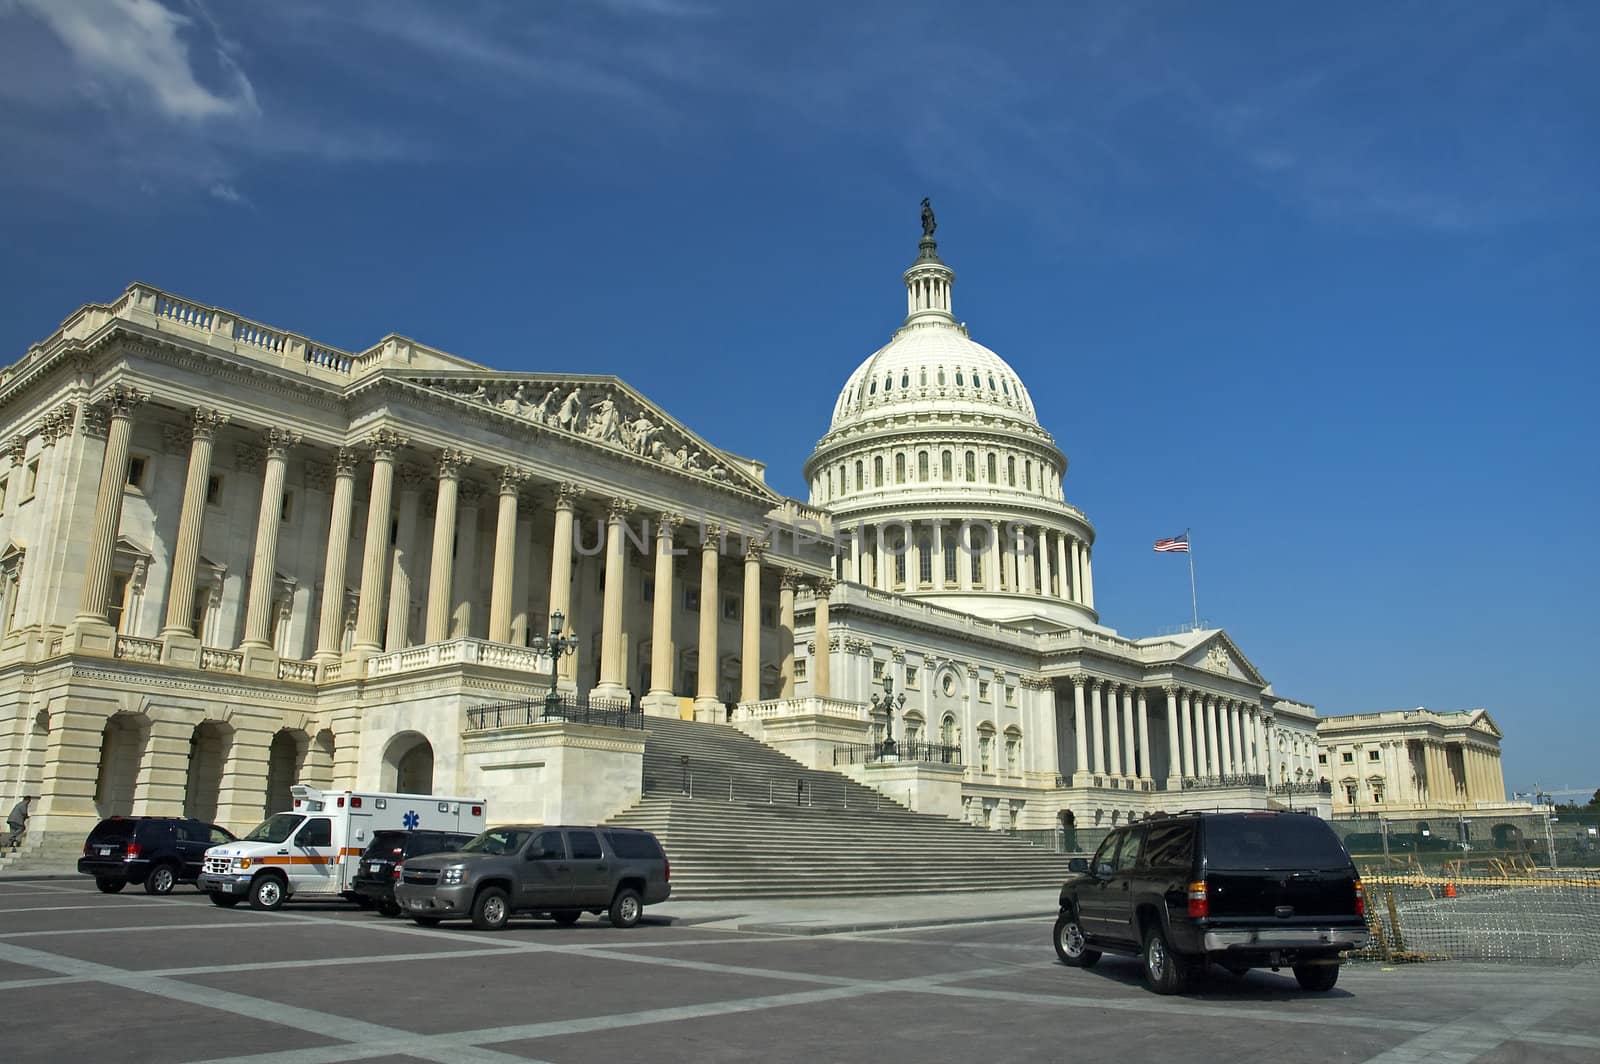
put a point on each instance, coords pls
(888, 702)
(555, 644)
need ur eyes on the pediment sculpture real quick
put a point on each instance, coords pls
(1217, 659)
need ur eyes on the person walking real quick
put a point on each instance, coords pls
(17, 821)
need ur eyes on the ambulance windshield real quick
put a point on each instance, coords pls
(275, 828)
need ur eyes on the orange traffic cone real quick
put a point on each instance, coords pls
(1449, 890)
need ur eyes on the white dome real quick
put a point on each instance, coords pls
(932, 365)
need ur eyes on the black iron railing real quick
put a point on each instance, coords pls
(1311, 787)
(1208, 783)
(609, 713)
(931, 753)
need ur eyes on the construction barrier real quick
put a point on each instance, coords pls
(1544, 915)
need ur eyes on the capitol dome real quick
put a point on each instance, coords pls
(936, 463)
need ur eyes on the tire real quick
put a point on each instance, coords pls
(225, 901)
(1317, 977)
(566, 917)
(626, 908)
(425, 921)
(1164, 970)
(491, 909)
(1070, 943)
(161, 879)
(389, 909)
(267, 893)
(108, 885)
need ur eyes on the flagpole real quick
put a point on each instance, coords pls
(1194, 600)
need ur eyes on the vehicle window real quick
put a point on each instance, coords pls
(634, 845)
(155, 832)
(113, 830)
(499, 841)
(585, 845)
(317, 832)
(194, 831)
(1272, 840)
(386, 844)
(1107, 853)
(554, 848)
(217, 835)
(1169, 846)
(276, 828)
(1128, 856)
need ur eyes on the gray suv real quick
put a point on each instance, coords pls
(560, 872)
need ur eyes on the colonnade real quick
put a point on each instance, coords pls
(904, 467)
(993, 556)
(1208, 735)
(1439, 771)
(385, 565)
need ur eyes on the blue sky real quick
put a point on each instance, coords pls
(1317, 282)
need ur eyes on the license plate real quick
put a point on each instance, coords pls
(374, 867)
(105, 851)
(418, 904)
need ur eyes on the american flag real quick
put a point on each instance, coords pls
(1179, 544)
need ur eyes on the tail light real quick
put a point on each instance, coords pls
(355, 801)
(667, 869)
(1361, 899)
(396, 874)
(133, 851)
(1199, 899)
(477, 810)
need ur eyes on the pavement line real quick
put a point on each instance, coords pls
(1458, 1044)
(68, 908)
(260, 924)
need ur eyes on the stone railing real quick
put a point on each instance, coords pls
(777, 708)
(134, 648)
(221, 660)
(333, 670)
(1313, 787)
(291, 349)
(1214, 783)
(457, 652)
(297, 671)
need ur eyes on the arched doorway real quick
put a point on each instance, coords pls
(208, 753)
(408, 764)
(121, 749)
(284, 759)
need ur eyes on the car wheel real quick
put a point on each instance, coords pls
(491, 909)
(566, 917)
(626, 908)
(388, 908)
(160, 879)
(425, 921)
(1164, 970)
(1071, 944)
(1317, 977)
(226, 901)
(267, 893)
(108, 885)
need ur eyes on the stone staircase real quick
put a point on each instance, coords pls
(739, 819)
(55, 855)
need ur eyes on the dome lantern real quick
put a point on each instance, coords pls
(929, 280)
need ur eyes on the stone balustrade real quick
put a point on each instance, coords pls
(132, 648)
(297, 671)
(778, 708)
(456, 652)
(220, 660)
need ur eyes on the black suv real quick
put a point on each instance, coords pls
(1246, 890)
(158, 851)
(384, 859)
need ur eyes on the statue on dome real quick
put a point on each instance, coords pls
(928, 223)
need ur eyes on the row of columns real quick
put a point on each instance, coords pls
(1220, 736)
(1029, 560)
(1120, 743)
(1208, 735)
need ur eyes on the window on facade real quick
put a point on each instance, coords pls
(952, 558)
(1347, 758)
(877, 471)
(1374, 755)
(983, 690)
(844, 482)
(1350, 793)
(922, 466)
(117, 603)
(730, 607)
(1027, 475)
(873, 390)
(941, 376)
(992, 478)
(691, 599)
(912, 682)
(30, 480)
(1322, 759)
(905, 380)
(1011, 754)
(971, 467)
(888, 382)
(214, 490)
(1004, 386)
(985, 746)
(947, 731)
(947, 466)
(924, 561)
(199, 612)
(977, 567)
(1011, 471)
(959, 382)
(769, 616)
(286, 508)
(860, 476)
(899, 469)
(138, 468)
(1011, 695)
(1377, 792)
(877, 670)
(922, 377)
(991, 382)
(900, 569)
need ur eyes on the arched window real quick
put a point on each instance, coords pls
(844, 481)
(1027, 474)
(900, 468)
(905, 379)
(971, 467)
(1013, 750)
(993, 478)
(860, 475)
(959, 382)
(940, 378)
(874, 389)
(1011, 470)
(922, 466)
(985, 746)
(947, 470)
(922, 377)
(877, 471)
(952, 557)
(991, 382)
(913, 727)
(947, 730)
(900, 563)
(1005, 387)
(924, 561)
(888, 381)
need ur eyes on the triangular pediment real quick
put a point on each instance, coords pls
(1216, 653)
(601, 411)
(1482, 722)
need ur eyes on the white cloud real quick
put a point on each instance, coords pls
(140, 45)
(228, 194)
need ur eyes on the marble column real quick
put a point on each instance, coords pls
(1114, 731)
(522, 575)
(786, 585)
(1174, 741)
(612, 666)
(1022, 565)
(1099, 727)
(1213, 751)
(707, 704)
(991, 559)
(1130, 758)
(1063, 574)
(663, 652)
(1088, 578)
(330, 630)
(1080, 729)
(402, 558)
(441, 563)
(1251, 758)
(1077, 571)
(821, 658)
(884, 564)
(964, 553)
(118, 405)
(464, 567)
(1146, 772)
(937, 569)
(750, 612)
(1240, 753)
(1226, 734)
(561, 568)
(505, 554)
(258, 633)
(369, 611)
(202, 430)
(1043, 547)
(1190, 766)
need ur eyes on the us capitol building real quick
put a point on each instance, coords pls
(232, 558)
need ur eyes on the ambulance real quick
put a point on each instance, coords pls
(314, 850)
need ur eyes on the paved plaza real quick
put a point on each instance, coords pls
(135, 978)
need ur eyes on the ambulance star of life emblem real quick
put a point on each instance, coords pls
(411, 820)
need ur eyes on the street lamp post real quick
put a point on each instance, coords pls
(888, 702)
(556, 645)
